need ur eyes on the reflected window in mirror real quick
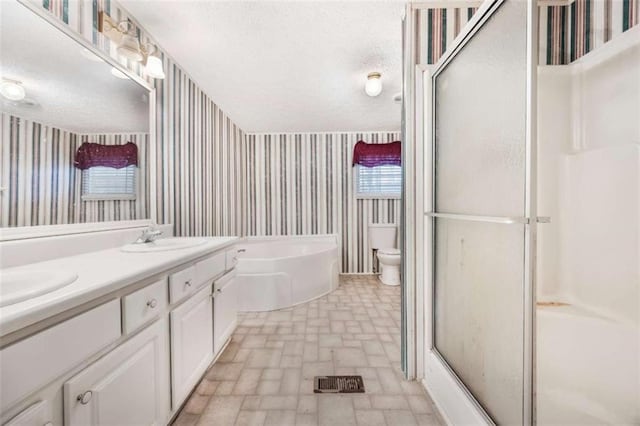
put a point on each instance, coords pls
(108, 171)
(107, 183)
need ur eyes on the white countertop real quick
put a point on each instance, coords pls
(99, 273)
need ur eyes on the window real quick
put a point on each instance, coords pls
(108, 183)
(378, 182)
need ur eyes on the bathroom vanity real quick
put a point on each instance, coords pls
(125, 343)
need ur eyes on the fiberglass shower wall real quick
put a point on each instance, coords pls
(588, 275)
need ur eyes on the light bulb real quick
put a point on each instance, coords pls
(12, 90)
(374, 84)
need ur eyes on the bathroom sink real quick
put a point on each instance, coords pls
(164, 244)
(17, 286)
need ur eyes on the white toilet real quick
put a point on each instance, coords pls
(383, 237)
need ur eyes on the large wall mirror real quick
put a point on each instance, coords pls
(75, 129)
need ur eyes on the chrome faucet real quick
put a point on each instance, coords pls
(148, 235)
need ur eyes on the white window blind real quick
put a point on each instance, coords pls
(107, 183)
(378, 182)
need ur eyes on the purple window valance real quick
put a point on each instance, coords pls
(377, 154)
(115, 156)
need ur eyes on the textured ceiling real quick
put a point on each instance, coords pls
(286, 66)
(68, 90)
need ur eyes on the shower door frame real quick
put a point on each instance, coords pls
(450, 394)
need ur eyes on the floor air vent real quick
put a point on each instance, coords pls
(338, 384)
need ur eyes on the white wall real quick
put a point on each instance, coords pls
(589, 180)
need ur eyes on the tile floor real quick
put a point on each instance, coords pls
(265, 375)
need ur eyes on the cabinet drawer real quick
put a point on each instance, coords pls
(232, 258)
(38, 414)
(143, 305)
(182, 284)
(210, 268)
(30, 364)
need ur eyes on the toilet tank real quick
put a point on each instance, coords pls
(382, 235)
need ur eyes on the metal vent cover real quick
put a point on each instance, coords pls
(338, 384)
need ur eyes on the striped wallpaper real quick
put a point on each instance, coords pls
(198, 148)
(570, 31)
(567, 31)
(440, 26)
(43, 186)
(298, 184)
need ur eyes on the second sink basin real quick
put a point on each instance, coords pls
(164, 244)
(17, 286)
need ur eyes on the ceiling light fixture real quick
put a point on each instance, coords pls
(374, 84)
(129, 45)
(12, 90)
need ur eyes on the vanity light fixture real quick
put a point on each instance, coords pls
(12, 90)
(373, 87)
(129, 46)
(153, 67)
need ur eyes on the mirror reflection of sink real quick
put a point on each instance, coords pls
(17, 286)
(164, 244)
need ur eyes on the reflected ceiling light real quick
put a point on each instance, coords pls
(129, 46)
(12, 90)
(117, 73)
(91, 56)
(374, 84)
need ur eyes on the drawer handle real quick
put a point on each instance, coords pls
(152, 303)
(188, 283)
(219, 290)
(85, 397)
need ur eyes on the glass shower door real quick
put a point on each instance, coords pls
(481, 209)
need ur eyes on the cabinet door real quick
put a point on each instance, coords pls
(191, 344)
(128, 386)
(225, 310)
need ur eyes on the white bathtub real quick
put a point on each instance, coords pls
(588, 368)
(279, 272)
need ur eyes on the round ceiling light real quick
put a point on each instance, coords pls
(12, 90)
(374, 84)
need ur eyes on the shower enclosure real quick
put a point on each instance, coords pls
(532, 240)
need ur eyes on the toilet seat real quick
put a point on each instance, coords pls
(389, 251)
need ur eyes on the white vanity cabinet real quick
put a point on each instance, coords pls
(225, 309)
(128, 386)
(130, 358)
(191, 344)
